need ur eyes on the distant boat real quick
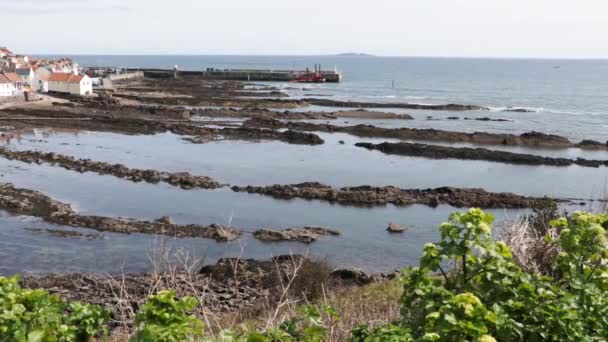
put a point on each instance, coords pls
(309, 78)
(556, 67)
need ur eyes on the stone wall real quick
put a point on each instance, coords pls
(126, 76)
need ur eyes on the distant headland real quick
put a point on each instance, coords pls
(354, 54)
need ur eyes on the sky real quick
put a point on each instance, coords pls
(442, 28)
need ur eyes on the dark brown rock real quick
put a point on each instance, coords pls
(529, 139)
(446, 152)
(370, 195)
(33, 203)
(305, 234)
(182, 179)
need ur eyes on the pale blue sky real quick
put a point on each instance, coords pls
(476, 28)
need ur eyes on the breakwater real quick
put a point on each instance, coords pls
(258, 75)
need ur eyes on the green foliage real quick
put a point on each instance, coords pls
(36, 316)
(485, 296)
(164, 318)
(390, 332)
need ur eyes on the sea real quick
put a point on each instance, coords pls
(568, 97)
(565, 97)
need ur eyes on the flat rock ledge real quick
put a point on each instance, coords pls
(528, 139)
(183, 180)
(127, 124)
(33, 203)
(354, 104)
(263, 113)
(245, 133)
(467, 153)
(370, 195)
(305, 234)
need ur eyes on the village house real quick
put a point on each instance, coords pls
(10, 84)
(26, 75)
(69, 83)
(41, 79)
(4, 52)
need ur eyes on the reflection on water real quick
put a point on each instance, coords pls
(364, 243)
(249, 163)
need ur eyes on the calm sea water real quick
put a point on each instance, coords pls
(568, 98)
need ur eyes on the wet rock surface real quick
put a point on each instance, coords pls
(133, 124)
(353, 104)
(370, 195)
(70, 234)
(528, 139)
(192, 91)
(263, 113)
(518, 110)
(33, 203)
(366, 114)
(485, 118)
(182, 179)
(396, 228)
(305, 234)
(244, 133)
(446, 152)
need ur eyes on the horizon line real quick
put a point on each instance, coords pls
(346, 55)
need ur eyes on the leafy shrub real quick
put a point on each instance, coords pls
(35, 315)
(166, 319)
(485, 296)
(163, 318)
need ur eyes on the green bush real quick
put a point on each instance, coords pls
(468, 287)
(35, 315)
(163, 318)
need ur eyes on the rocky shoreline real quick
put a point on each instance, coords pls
(402, 105)
(232, 285)
(192, 91)
(245, 133)
(184, 180)
(370, 195)
(263, 113)
(466, 153)
(529, 139)
(133, 124)
(33, 203)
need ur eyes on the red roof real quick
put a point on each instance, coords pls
(65, 77)
(9, 77)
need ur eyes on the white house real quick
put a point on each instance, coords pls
(10, 84)
(26, 74)
(41, 79)
(68, 83)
